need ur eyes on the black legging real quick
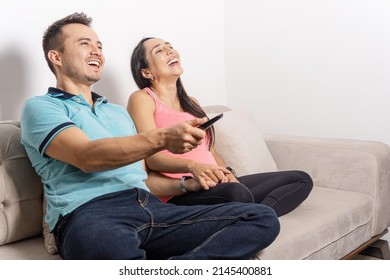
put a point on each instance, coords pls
(283, 191)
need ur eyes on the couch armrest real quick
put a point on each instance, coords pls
(344, 164)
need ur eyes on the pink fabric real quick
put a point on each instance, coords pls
(165, 117)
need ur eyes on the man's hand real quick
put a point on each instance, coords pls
(185, 136)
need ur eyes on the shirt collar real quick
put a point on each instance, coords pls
(55, 92)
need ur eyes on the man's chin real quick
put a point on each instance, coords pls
(93, 79)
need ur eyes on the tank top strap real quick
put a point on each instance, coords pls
(151, 93)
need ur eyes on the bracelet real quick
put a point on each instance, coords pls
(232, 171)
(182, 187)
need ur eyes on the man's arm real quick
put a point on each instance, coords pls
(74, 147)
(160, 185)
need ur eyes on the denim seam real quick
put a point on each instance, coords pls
(143, 203)
(215, 234)
(187, 222)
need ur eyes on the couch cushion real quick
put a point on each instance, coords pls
(240, 142)
(20, 189)
(27, 249)
(326, 217)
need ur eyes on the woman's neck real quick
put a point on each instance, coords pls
(167, 93)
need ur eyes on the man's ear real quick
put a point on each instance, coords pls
(54, 57)
(146, 74)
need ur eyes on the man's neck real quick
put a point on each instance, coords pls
(76, 89)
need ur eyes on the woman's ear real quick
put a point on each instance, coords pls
(54, 57)
(146, 74)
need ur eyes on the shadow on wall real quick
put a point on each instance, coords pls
(12, 84)
(108, 87)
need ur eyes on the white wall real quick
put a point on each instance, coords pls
(195, 28)
(316, 68)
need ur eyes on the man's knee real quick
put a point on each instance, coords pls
(266, 220)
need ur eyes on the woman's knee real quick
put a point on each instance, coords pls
(306, 177)
(236, 192)
(306, 180)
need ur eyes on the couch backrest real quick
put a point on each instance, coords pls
(240, 142)
(20, 188)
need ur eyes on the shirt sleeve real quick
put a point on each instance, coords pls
(42, 118)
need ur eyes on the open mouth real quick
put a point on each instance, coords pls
(173, 61)
(94, 63)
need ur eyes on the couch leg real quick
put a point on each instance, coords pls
(379, 249)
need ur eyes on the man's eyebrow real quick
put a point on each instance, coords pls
(84, 38)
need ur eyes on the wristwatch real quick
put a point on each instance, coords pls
(182, 187)
(232, 171)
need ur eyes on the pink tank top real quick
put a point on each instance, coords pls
(165, 117)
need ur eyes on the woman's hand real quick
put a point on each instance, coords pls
(208, 175)
(231, 178)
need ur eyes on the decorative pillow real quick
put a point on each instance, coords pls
(240, 143)
(50, 242)
(20, 188)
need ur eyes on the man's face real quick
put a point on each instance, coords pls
(82, 59)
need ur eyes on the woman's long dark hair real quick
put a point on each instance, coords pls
(138, 62)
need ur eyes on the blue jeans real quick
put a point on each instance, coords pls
(133, 224)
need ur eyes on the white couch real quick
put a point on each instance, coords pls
(347, 211)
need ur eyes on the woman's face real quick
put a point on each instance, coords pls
(163, 60)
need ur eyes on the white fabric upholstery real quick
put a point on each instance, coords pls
(20, 189)
(324, 218)
(344, 164)
(241, 144)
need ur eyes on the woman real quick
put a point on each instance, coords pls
(162, 101)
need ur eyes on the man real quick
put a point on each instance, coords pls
(90, 160)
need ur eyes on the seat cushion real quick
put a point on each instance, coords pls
(27, 249)
(326, 217)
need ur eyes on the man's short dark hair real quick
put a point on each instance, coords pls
(54, 38)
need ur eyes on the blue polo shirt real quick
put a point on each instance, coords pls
(67, 187)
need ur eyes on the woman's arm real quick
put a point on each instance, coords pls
(141, 108)
(160, 185)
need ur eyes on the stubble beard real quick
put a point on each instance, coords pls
(76, 75)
